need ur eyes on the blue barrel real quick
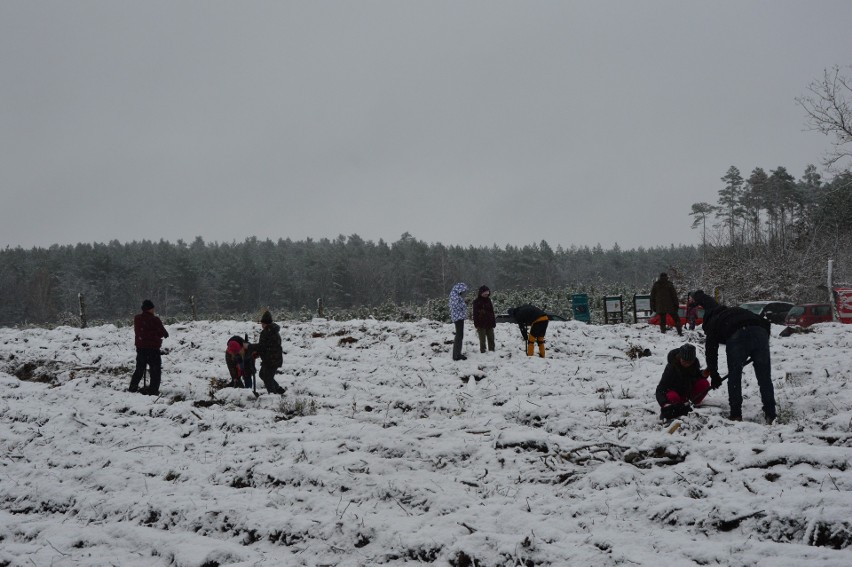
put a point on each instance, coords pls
(580, 307)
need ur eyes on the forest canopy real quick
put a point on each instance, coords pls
(769, 236)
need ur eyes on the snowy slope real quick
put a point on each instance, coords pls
(380, 454)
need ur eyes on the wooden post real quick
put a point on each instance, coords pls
(319, 308)
(194, 310)
(82, 310)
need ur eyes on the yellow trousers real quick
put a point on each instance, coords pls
(532, 340)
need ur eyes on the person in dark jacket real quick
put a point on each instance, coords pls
(682, 383)
(744, 335)
(149, 333)
(531, 316)
(271, 355)
(483, 318)
(664, 302)
(240, 365)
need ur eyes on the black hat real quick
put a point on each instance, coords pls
(266, 317)
(686, 352)
(147, 304)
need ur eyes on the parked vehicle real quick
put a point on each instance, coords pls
(774, 311)
(809, 314)
(843, 300)
(681, 311)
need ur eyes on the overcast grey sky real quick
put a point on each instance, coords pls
(487, 122)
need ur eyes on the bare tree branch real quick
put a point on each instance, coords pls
(829, 111)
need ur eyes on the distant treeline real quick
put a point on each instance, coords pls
(771, 239)
(350, 274)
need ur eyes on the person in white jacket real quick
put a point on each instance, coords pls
(458, 313)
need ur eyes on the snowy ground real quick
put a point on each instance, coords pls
(380, 454)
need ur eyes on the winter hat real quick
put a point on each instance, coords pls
(483, 289)
(703, 299)
(664, 276)
(266, 317)
(686, 352)
(234, 347)
(147, 304)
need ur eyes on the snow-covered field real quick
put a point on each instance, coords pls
(380, 453)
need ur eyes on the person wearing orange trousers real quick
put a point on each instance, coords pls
(531, 316)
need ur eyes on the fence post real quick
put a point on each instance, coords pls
(319, 308)
(82, 310)
(194, 311)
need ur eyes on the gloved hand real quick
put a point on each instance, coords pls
(715, 380)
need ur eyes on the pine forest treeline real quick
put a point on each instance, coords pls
(350, 274)
(769, 236)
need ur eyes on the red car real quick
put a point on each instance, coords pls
(655, 320)
(809, 314)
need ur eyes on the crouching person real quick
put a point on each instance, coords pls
(240, 364)
(531, 316)
(271, 355)
(682, 383)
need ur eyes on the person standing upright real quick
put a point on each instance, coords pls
(664, 302)
(691, 313)
(149, 333)
(483, 318)
(458, 313)
(271, 354)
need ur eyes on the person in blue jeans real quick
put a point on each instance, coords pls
(745, 335)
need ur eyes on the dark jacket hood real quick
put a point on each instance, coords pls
(708, 303)
(704, 300)
(482, 289)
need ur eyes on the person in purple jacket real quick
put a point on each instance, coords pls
(483, 318)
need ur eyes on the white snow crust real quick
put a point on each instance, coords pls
(384, 451)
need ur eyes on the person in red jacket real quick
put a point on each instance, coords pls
(150, 332)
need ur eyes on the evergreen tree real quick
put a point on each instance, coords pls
(729, 209)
